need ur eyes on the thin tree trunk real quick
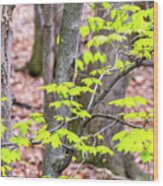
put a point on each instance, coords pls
(35, 65)
(6, 45)
(56, 160)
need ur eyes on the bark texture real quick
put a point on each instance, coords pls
(6, 45)
(56, 160)
(51, 28)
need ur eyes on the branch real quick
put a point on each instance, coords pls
(112, 117)
(100, 78)
(33, 143)
(105, 128)
(94, 92)
(28, 107)
(118, 77)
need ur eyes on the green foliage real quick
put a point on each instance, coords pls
(98, 41)
(58, 39)
(38, 117)
(90, 81)
(119, 65)
(55, 141)
(68, 103)
(75, 107)
(20, 141)
(100, 57)
(136, 140)
(100, 71)
(49, 88)
(137, 115)
(99, 137)
(88, 57)
(113, 14)
(79, 65)
(2, 129)
(95, 23)
(86, 150)
(42, 135)
(126, 21)
(104, 150)
(106, 5)
(130, 8)
(81, 113)
(116, 37)
(8, 156)
(84, 31)
(130, 30)
(4, 169)
(66, 89)
(23, 126)
(3, 99)
(129, 102)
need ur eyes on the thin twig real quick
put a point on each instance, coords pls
(94, 92)
(102, 130)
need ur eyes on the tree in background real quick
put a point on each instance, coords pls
(35, 64)
(41, 24)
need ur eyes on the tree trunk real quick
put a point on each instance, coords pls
(56, 160)
(35, 65)
(6, 45)
(52, 17)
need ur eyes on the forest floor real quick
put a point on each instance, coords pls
(28, 97)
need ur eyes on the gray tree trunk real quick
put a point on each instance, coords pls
(52, 18)
(35, 66)
(56, 160)
(51, 28)
(6, 45)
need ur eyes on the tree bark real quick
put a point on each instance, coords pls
(6, 45)
(35, 65)
(51, 28)
(56, 160)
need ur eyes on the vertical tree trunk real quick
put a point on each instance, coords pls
(51, 28)
(52, 17)
(35, 65)
(6, 45)
(55, 160)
